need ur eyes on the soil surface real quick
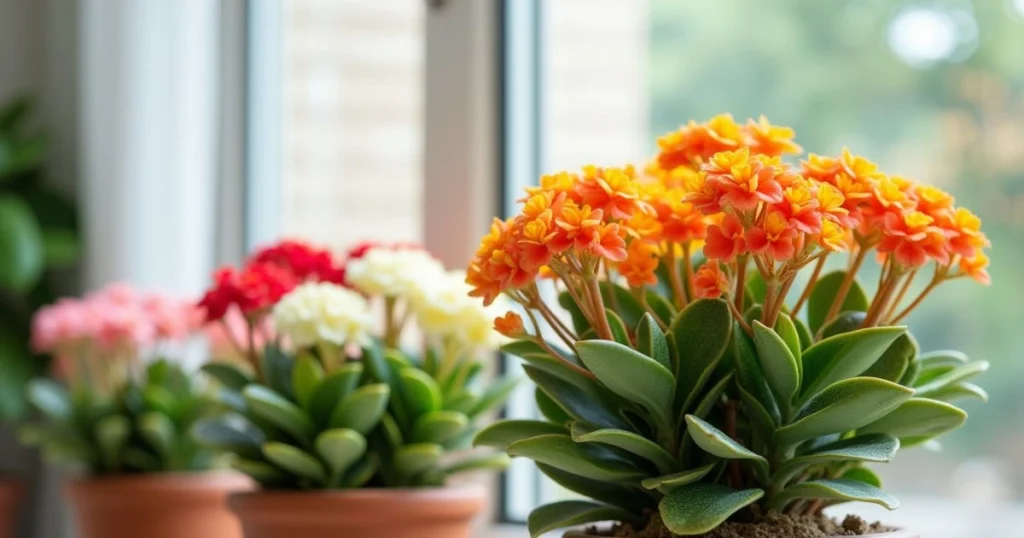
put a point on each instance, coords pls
(770, 526)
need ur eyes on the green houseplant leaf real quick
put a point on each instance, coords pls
(825, 291)
(843, 356)
(699, 508)
(844, 406)
(561, 452)
(570, 513)
(630, 374)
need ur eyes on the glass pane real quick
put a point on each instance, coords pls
(352, 115)
(930, 90)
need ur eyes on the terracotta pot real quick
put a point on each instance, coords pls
(894, 534)
(358, 513)
(10, 497)
(157, 505)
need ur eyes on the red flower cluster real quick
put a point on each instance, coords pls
(303, 261)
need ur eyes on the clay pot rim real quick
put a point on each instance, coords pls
(186, 482)
(368, 494)
(899, 533)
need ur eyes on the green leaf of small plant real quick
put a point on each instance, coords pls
(333, 389)
(959, 391)
(340, 448)
(863, 474)
(651, 341)
(159, 432)
(628, 441)
(632, 375)
(362, 409)
(619, 331)
(825, 291)
(699, 508)
(420, 392)
(844, 406)
(956, 375)
(306, 377)
(549, 409)
(606, 492)
(945, 357)
(839, 489)
(579, 397)
(21, 245)
(701, 333)
(111, 435)
(564, 514)
(919, 417)
(439, 427)
(561, 452)
(226, 374)
(412, 460)
(295, 461)
(50, 398)
(715, 442)
(778, 363)
(493, 397)
(491, 461)
(872, 447)
(893, 364)
(274, 408)
(667, 483)
(843, 356)
(261, 472)
(503, 433)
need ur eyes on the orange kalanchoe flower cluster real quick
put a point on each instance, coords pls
(723, 188)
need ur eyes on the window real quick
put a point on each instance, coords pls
(929, 89)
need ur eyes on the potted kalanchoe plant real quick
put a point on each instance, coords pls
(347, 434)
(742, 391)
(119, 413)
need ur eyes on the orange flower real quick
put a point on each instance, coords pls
(696, 143)
(820, 167)
(611, 190)
(495, 266)
(680, 220)
(833, 237)
(975, 267)
(535, 241)
(510, 325)
(767, 139)
(744, 180)
(577, 226)
(775, 236)
(912, 238)
(610, 243)
(644, 226)
(725, 240)
(544, 202)
(710, 282)
(831, 202)
(859, 168)
(800, 206)
(966, 237)
(640, 263)
(561, 182)
(933, 201)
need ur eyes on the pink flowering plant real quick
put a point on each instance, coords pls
(321, 359)
(116, 404)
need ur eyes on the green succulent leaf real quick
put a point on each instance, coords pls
(111, 436)
(661, 307)
(159, 432)
(825, 291)
(549, 409)
(277, 370)
(420, 393)
(919, 417)
(561, 452)
(761, 420)
(274, 408)
(226, 374)
(839, 489)
(412, 460)
(628, 441)
(668, 482)
(960, 391)
(333, 389)
(21, 245)
(843, 356)
(752, 381)
(361, 472)
(778, 363)
(231, 433)
(954, 376)
(620, 333)
(564, 514)
(260, 471)
(786, 329)
(862, 474)
(872, 447)
(652, 342)
(340, 448)
(295, 461)
(717, 443)
(439, 427)
(362, 409)
(844, 406)
(632, 375)
(699, 508)
(599, 490)
(945, 357)
(579, 397)
(306, 377)
(893, 364)
(492, 461)
(503, 433)
(701, 333)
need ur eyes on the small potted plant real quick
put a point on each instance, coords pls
(120, 415)
(740, 392)
(346, 434)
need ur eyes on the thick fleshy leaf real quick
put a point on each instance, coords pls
(668, 482)
(839, 489)
(579, 321)
(412, 460)
(476, 462)
(701, 333)
(562, 514)
(919, 417)
(959, 391)
(863, 474)
(503, 433)
(599, 490)
(630, 374)
(306, 377)
(333, 389)
(623, 302)
(751, 377)
(377, 365)
(361, 472)
(893, 364)
(873, 447)
(620, 333)
(158, 430)
(582, 398)
(628, 441)
(295, 461)
(261, 472)
(229, 375)
(561, 452)
(111, 434)
(715, 442)
(699, 508)
(845, 322)
(712, 397)
(439, 427)
(778, 364)
(843, 356)
(651, 341)
(420, 393)
(824, 293)
(274, 408)
(761, 420)
(21, 245)
(786, 329)
(549, 409)
(803, 334)
(232, 433)
(661, 307)
(844, 406)
(277, 370)
(954, 376)
(945, 357)
(340, 448)
(362, 409)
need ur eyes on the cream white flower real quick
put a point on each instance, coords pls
(323, 312)
(444, 308)
(389, 272)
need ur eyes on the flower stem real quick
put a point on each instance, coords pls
(810, 286)
(844, 288)
(604, 330)
(931, 286)
(741, 282)
(678, 291)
